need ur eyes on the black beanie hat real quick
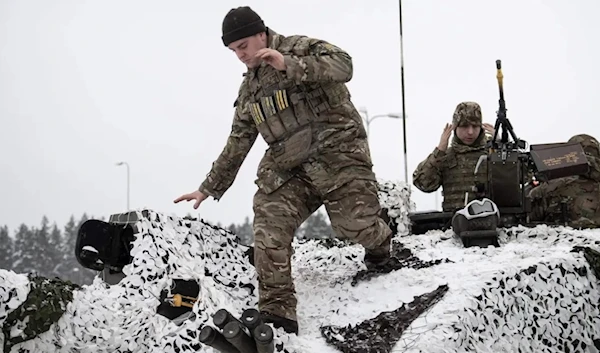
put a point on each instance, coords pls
(240, 23)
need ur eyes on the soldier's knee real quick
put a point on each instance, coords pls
(273, 265)
(273, 232)
(356, 214)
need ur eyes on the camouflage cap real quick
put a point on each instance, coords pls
(467, 113)
(590, 145)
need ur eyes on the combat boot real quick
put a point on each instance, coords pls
(289, 326)
(380, 256)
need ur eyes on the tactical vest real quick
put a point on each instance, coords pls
(458, 177)
(283, 111)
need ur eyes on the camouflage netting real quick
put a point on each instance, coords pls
(549, 306)
(381, 333)
(394, 196)
(14, 289)
(536, 293)
(122, 317)
(441, 297)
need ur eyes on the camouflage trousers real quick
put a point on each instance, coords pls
(354, 211)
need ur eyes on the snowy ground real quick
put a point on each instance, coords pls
(533, 294)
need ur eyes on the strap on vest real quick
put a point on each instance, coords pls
(315, 99)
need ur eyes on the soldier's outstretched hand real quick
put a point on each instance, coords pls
(443, 146)
(196, 195)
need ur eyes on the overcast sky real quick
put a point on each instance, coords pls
(84, 85)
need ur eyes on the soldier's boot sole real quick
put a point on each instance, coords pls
(289, 326)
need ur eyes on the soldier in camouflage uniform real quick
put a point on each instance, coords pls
(294, 95)
(453, 167)
(578, 196)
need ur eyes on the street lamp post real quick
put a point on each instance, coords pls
(126, 165)
(402, 85)
(368, 121)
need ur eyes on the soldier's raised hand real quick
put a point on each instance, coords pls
(272, 57)
(443, 146)
(196, 195)
(489, 128)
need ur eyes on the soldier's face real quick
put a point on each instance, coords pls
(246, 49)
(468, 133)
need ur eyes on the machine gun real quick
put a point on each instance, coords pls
(510, 171)
(508, 167)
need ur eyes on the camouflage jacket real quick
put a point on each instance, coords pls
(453, 171)
(305, 115)
(578, 196)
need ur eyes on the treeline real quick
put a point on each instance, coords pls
(45, 249)
(316, 226)
(49, 250)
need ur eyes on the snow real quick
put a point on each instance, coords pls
(534, 281)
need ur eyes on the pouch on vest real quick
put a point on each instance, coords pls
(324, 97)
(335, 94)
(294, 150)
(451, 184)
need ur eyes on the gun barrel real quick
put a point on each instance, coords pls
(222, 317)
(263, 335)
(500, 78)
(213, 338)
(234, 333)
(251, 318)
